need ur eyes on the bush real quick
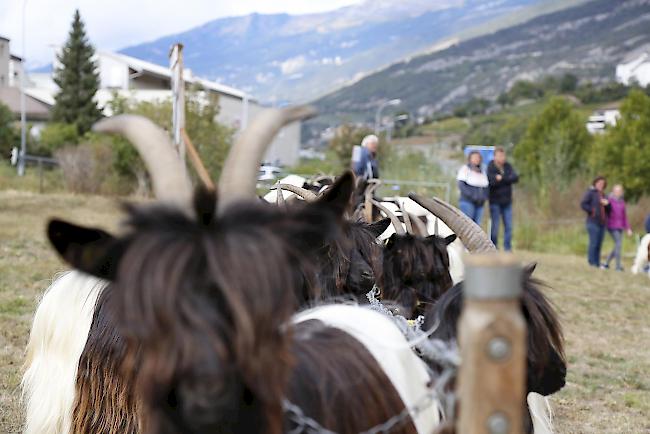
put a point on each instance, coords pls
(58, 135)
(9, 137)
(85, 167)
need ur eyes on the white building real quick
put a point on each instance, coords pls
(637, 70)
(601, 119)
(145, 81)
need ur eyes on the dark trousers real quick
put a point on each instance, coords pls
(596, 234)
(497, 213)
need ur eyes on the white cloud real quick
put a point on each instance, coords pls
(292, 65)
(119, 23)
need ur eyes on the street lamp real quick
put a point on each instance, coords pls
(23, 123)
(395, 101)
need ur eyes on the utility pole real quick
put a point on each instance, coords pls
(178, 97)
(23, 117)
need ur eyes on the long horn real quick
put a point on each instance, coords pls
(279, 197)
(299, 191)
(399, 229)
(368, 198)
(469, 232)
(168, 173)
(406, 218)
(419, 227)
(237, 179)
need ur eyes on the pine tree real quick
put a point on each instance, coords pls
(78, 80)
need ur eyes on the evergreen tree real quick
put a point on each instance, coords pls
(78, 80)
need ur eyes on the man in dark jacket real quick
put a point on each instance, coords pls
(501, 176)
(597, 207)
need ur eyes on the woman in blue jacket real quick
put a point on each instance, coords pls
(473, 186)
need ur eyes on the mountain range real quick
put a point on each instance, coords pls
(296, 58)
(587, 40)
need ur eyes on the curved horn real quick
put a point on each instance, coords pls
(469, 232)
(168, 173)
(298, 191)
(279, 197)
(406, 218)
(237, 179)
(399, 229)
(368, 199)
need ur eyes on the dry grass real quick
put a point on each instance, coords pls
(605, 315)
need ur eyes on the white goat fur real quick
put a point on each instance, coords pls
(57, 339)
(641, 258)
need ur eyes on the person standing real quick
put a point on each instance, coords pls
(501, 176)
(365, 163)
(616, 224)
(597, 207)
(472, 183)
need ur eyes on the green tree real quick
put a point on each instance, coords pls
(8, 134)
(554, 147)
(211, 138)
(623, 152)
(346, 137)
(57, 135)
(78, 80)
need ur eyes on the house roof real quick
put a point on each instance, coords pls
(164, 72)
(35, 110)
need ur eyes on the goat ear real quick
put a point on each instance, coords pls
(529, 269)
(337, 197)
(450, 239)
(378, 228)
(90, 250)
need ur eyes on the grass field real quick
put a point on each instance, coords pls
(606, 316)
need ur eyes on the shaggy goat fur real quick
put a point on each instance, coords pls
(58, 335)
(203, 308)
(545, 360)
(415, 272)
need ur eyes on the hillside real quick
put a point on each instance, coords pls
(586, 40)
(295, 58)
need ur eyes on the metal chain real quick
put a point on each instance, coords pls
(446, 355)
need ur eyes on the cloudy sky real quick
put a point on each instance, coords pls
(119, 23)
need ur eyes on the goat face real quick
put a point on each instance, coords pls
(416, 271)
(545, 360)
(202, 303)
(352, 265)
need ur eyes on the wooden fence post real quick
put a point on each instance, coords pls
(492, 340)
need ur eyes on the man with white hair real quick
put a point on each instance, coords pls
(364, 158)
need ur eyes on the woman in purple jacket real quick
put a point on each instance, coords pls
(616, 224)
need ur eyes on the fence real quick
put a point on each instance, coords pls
(40, 162)
(492, 340)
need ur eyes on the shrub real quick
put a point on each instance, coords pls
(58, 135)
(85, 167)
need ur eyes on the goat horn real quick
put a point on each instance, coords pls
(469, 232)
(279, 197)
(299, 191)
(406, 218)
(168, 173)
(419, 227)
(237, 179)
(368, 195)
(399, 229)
